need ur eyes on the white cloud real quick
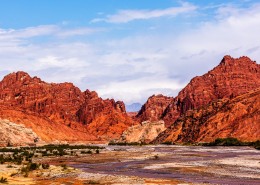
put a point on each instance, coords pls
(232, 34)
(52, 61)
(140, 89)
(123, 16)
(134, 67)
(7, 34)
(76, 32)
(43, 30)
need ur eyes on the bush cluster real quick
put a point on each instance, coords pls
(3, 180)
(27, 153)
(230, 141)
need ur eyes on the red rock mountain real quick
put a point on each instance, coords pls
(154, 108)
(238, 117)
(216, 104)
(232, 77)
(61, 108)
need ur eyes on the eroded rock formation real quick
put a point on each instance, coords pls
(143, 133)
(61, 104)
(154, 108)
(231, 78)
(238, 117)
(62, 112)
(12, 134)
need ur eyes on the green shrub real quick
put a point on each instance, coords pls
(168, 143)
(225, 142)
(29, 167)
(64, 166)
(232, 142)
(256, 144)
(3, 180)
(45, 166)
(13, 174)
(86, 152)
(156, 157)
(24, 169)
(33, 166)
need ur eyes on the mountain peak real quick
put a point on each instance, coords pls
(243, 60)
(226, 58)
(231, 78)
(19, 75)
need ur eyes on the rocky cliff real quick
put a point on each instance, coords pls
(231, 78)
(153, 109)
(238, 117)
(26, 99)
(62, 112)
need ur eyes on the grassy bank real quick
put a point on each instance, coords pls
(26, 154)
(232, 142)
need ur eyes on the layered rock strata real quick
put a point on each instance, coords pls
(231, 78)
(62, 110)
(238, 117)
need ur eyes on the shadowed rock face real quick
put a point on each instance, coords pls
(61, 104)
(238, 117)
(231, 78)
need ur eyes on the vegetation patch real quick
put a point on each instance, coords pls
(232, 142)
(3, 180)
(86, 152)
(168, 143)
(18, 155)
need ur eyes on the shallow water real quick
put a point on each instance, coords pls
(192, 164)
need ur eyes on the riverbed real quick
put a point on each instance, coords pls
(181, 164)
(149, 164)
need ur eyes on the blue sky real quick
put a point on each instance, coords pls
(125, 49)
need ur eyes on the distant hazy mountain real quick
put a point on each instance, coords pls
(134, 107)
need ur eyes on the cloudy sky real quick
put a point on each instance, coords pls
(125, 49)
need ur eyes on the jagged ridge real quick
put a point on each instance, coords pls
(232, 77)
(238, 117)
(62, 104)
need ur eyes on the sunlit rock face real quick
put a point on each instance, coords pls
(142, 133)
(238, 117)
(61, 111)
(12, 134)
(231, 78)
(154, 108)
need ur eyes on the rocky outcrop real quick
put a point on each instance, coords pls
(154, 108)
(59, 102)
(238, 117)
(231, 78)
(143, 133)
(46, 129)
(62, 112)
(12, 134)
(62, 104)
